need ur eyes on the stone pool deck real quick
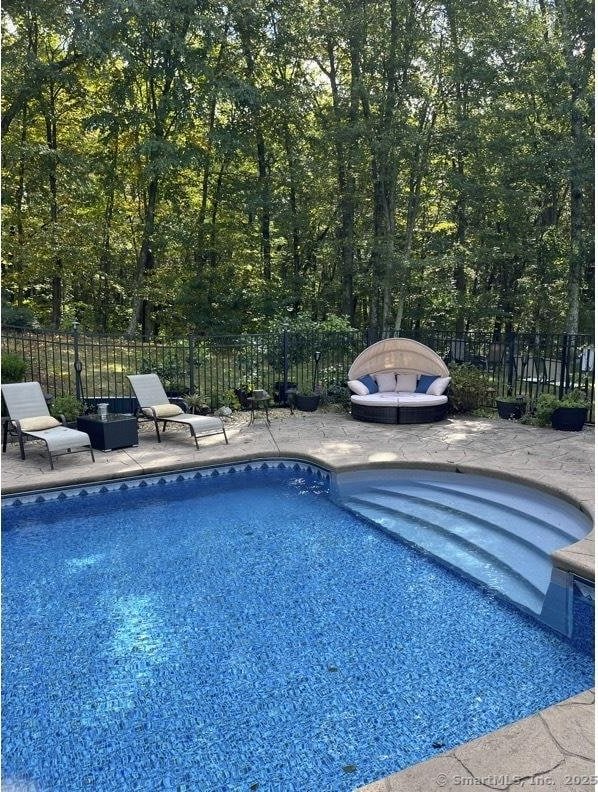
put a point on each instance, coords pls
(552, 749)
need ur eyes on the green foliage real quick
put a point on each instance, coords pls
(197, 402)
(22, 318)
(225, 398)
(469, 390)
(261, 158)
(547, 403)
(13, 368)
(171, 367)
(305, 334)
(67, 405)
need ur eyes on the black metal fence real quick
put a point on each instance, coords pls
(94, 367)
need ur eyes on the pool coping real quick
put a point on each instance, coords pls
(517, 745)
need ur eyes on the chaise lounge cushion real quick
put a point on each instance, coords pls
(402, 399)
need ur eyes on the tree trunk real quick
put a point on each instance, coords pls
(345, 232)
(145, 263)
(52, 141)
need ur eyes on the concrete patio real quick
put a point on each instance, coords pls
(547, 749)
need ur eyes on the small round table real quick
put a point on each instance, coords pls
(258, 400)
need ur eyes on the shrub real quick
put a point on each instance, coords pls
(547, 403)
(67, 405)
(22, 318)
(469, 389)
(13, 368)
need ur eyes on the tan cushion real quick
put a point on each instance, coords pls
(406, 382)
(163, 410)
(39, 423)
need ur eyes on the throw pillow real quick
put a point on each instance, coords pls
(358, 387)
(163, 410)
(370, 383)
(424, 382)
(387, 381)
(438, 387)
(38, 424)
(406, 382)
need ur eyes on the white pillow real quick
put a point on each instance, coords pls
(387, 381)
(358, 387)
(407, 383)
(438, 387)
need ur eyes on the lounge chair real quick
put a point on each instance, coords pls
(154, 404)
(29, 415)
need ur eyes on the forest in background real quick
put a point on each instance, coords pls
(191, 166)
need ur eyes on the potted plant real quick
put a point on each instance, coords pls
(243, 392)
(568, 414)
(512, 407)
(67, 408)
(307, 402)
(197, 404)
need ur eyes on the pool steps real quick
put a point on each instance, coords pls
(500, 535)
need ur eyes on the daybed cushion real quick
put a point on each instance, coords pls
(424, 382)
(358, 387)
(387, 381)
(39, 423)
(406, 382)
(438, 387)
(163, 410)
(369, 382)
(399, 400)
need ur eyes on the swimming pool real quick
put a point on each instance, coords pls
(241, 631)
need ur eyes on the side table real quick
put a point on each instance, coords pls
(117, 431)
(258, 400)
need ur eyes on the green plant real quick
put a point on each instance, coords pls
(22, 318)
(197, 402)
(227, 398)
(469, 390)
(13, 368)
(547, 403)
(67, 405)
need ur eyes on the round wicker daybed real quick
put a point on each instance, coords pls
(408, 361)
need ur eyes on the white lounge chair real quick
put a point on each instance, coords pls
(29, 415)
(154, 404)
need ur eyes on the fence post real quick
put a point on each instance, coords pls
(564, 365)
(285, 364)
(191, 363)
(511, 347)
(77, 365)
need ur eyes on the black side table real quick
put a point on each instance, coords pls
(117, 431)
(258, 399)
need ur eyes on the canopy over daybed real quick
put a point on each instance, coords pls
(394, 354)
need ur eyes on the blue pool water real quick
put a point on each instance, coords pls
(244, 633)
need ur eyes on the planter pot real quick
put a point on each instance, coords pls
(243, 396)
(510, 410)
(307, 403)
(569, 419)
